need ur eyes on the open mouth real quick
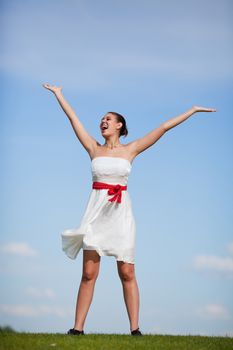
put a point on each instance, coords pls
(104, 126)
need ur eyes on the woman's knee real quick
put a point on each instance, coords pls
(89, 275)
(126, 272)
(91, 264)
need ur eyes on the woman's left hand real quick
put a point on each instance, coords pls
(203, 109)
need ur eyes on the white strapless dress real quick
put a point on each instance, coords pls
(107, 227)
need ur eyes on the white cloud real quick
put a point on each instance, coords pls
(34, 311)
(40, 293)
(23, 249)
(211, 262)
(213, 311)
(215, 263)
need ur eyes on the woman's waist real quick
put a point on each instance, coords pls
(113, 180)
(113, 190)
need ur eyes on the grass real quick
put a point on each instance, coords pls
(45, 341)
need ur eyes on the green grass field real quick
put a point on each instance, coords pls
(44, 341)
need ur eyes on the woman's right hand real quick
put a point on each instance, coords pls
(54, 89)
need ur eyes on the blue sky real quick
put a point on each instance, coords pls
(150, 61)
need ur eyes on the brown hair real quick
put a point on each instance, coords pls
(121, 119)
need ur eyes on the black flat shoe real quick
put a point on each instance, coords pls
(73, 331)
(136, 332)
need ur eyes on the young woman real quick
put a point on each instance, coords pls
(108, 225)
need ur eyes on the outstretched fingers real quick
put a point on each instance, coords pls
(203, 109)
(52, 88)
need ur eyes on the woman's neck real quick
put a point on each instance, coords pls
(112, 143)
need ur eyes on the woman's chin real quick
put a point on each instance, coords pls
(104, 133)
(107, 133)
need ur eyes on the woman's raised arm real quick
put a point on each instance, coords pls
(88, 142)
(148, 140)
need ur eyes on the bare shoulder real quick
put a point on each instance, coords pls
(94, 150)
(131, 149)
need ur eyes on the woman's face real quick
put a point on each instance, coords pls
(109, 125)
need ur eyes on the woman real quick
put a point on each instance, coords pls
(108, 226)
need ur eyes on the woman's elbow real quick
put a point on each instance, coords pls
(164, 127)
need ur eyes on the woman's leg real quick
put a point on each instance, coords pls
(131, 293)
(91, 264)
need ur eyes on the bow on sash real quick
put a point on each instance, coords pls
(113, 190)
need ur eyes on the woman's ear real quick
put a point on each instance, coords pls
(119, 125)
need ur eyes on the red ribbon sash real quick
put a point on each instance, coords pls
(114, 190)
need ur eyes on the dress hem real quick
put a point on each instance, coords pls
(102, 253)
